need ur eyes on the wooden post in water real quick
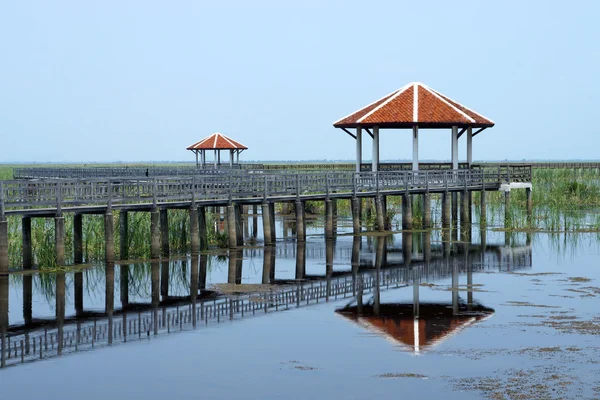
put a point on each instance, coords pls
(407, 218)
(272, 221)
(446, 210)
(59, 235)
(380, 214)
(164, 231)
(123, 234)
(26, 237)
(78, 238)
(483, 211)
(328, 219)
(300, 260)
(3, 245)
(426, 210)
(465, 217)
(300, 223)
(109, 237)
(355, 204)
(231, 226)
(454, 208)
(239, 224)
(194, 236)
(155, 233)
(202, 232)
(529, 203)
(507, 219)
(266, 218)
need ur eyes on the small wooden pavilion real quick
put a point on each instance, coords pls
(217, 142)
(414, 106)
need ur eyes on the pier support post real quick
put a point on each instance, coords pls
(379, 211)
(239, 224)
(123, 235)
(155, 233)
(164, 231)
(78, 238)
(426, 210)
(507, 219)
(483, 211)
(454, 208)
(203, 236)
(27, 249)
(272, 222)
(59, 239)
(194, 239)
(231, 227)
(407, 218)
(465, 217)
(266, 218)
(355, 204)
(446, 210)
(328, 219)
(529, 203)
(3, 247)
(109, 237)
(300, 223)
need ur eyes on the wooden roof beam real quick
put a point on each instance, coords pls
(461, 132)
(369, 132)
(479, 131)
(349, 133)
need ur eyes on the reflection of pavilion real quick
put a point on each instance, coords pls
(398, 323)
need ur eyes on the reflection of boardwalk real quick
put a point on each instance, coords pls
(62, 336)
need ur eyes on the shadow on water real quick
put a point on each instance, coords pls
(116, 304)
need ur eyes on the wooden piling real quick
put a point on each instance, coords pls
(483, 209)
(59, 239)
(3, 245)
(155, 233)
(164, 231)
(355, 204)
(426, 210)
(454, 208)
(266, 218)
(239, 224)
(202, 232)
(328, 219)
(446, 210)
(465, 217)
(123, 235)
(300, 223)
(380, 214)
(407, 218)
(529, 202)
(272, 221)
(231, 227)
(109, 237)
(26, 245)
(507, 216)
(194, 236)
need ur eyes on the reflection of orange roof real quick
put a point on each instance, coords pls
(398, 323)
(414, 104)
(217, 141)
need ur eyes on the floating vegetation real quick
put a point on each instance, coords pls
(401, 375)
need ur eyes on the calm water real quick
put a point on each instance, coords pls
(492, 314)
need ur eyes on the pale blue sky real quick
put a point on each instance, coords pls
(142, 80)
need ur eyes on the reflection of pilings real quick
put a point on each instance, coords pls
(454, 286)
(203, 270)
(123, 235)
(407, 247)
(329, 250)
(110, 298)
(78, 283)
(268, 273)
(469, 265)
(60, 310)
(27, 248)
(3, 319)
(355, 261)
(300, 222)
(164, 279)
(194, 278)
(234, 271)
(124, 285)
(427, 247)
(164, 231)
(301, 260)
(155, 233)
(379, 255)
(416, 283)
(27, 298)
(155, 287)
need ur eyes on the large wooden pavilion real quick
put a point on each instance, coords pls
(217, 142)
(414, 106)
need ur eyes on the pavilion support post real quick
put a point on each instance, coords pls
(455, 147)
(59, 239)
(427, 210)
(215, 160)
(26, 238)
(483, 211)
(446, 221)
(239, 224)
(219, 158)
(469, 146)
(164, 231)
(231, 158)
(407, 218)
(155, 233)
(380, 214)
(355, 204)
(231, 226)
(203, 155)
(375, 161)
(194, 237)
(109, 237)
(266, 218)
(196, 152)
(328, 219)
(202, 232)
(415, 160)
(124, 234)
(300, 223)
(238, 157)
(358, 148)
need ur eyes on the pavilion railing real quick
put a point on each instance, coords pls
(76, 192)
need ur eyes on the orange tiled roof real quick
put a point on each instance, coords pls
(217, 141)
(414, 104)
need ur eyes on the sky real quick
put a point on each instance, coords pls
(93, 81)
